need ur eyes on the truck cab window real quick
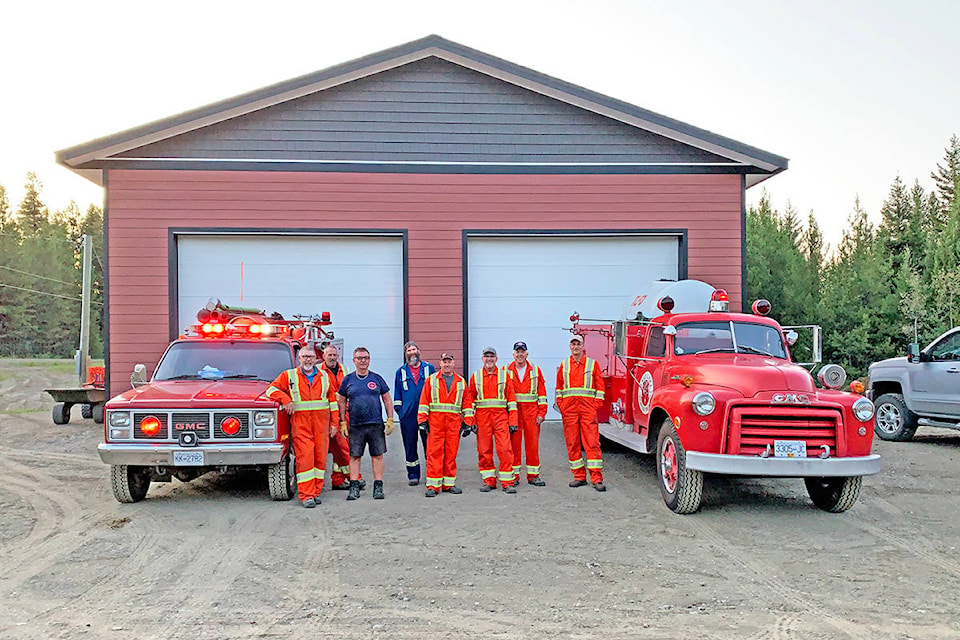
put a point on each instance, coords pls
(656, 343)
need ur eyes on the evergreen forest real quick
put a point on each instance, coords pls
(883, 286)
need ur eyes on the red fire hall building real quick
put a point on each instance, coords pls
(430, 192)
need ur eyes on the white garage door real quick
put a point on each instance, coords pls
(358, 279)
(525, 288)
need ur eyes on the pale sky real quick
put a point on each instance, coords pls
(853, 93)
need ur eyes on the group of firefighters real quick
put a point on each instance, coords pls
(336, 411)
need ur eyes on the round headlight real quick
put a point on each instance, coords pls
(704, 403)
(832, 376)
(119, 418)
(863, 409)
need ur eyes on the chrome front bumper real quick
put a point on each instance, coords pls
(214, 455)
(783, 467)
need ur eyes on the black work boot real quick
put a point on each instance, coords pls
(354, 490)
(378, 489)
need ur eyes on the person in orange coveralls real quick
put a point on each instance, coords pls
(494, 401)
(309, 396)
(579, 396)
(339, 447)
(443, 414)
(531, 410)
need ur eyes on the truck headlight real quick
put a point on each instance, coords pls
(268, 433)
(704, 403)
(265, 418)
(118, 418)
(863, 409)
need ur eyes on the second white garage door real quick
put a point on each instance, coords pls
(526, 287)
(358, 279)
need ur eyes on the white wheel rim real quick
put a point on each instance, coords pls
(889, 419)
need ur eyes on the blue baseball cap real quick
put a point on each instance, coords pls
(520, 346)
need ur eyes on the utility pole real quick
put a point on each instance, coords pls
(84, 351)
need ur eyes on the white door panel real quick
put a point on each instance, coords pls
(525, 288)
(358, 279)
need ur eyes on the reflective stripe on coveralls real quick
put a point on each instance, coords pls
(492, 431)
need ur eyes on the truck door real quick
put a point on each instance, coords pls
(648, 373)
(936, 383)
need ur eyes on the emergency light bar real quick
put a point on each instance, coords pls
(719, 301)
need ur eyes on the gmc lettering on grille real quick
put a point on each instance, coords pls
(189, 426)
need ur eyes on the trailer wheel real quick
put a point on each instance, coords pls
(682, 488)
(894, 421)
(281, 478)
(129, 483)
(835, 495)
(97, 413)
(61, 413)
(86, 411)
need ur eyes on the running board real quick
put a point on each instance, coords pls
(625, 436)
(929, 422)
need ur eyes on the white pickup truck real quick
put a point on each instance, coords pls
(921, 389)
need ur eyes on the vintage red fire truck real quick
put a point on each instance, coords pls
(710, 391)
(204, 409)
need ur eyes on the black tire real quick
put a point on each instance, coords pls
(281, 478)
(61, 413)
(681, 488)
(129, 483)
(97, 413)
(835, 495)
(893, 420)
(86, 411)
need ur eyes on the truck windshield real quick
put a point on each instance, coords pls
(216, 360)
(731, 337)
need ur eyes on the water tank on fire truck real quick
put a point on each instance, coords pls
(689, 296)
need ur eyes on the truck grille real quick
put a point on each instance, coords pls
(752, 428)
(206, 424)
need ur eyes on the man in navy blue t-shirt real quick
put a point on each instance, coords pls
(361, 394)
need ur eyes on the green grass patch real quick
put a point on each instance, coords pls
(14, 412)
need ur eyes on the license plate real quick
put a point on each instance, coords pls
(789, 449)
(188, 458)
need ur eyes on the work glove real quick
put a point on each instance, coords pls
(343, 428)
(424, 427)
(513, 428)
(465, 430)
(388, 427)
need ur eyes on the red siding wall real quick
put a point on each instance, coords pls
(142, 205)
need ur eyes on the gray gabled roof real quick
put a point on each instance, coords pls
(83, 158)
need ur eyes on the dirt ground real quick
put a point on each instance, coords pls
(216, 558)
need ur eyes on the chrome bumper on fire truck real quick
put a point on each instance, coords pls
(783, 467)
(214, 455)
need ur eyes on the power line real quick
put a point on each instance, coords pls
(37, 275)
(47, 293)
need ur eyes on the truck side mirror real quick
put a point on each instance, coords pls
(139, 376)
(913, 352)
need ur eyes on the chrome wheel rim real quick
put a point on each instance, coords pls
(888, 418)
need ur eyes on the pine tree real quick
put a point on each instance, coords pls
(860, 315)
(947, 177)
(898, 230)
(32, 214)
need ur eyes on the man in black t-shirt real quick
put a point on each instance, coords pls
(361, 394)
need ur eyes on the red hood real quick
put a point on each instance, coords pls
(178, 394)
(746, 373)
